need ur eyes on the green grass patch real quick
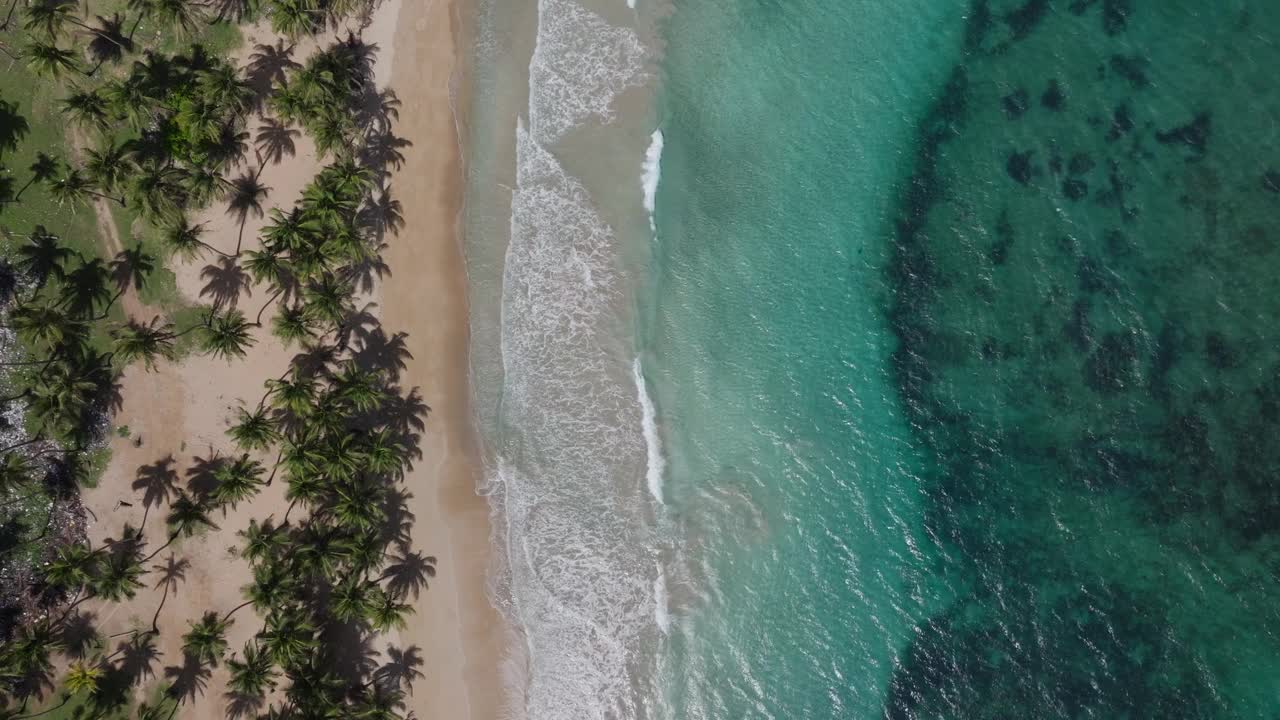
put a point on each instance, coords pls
(24, 519)
(37, 102)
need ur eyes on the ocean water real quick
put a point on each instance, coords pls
(870, 359)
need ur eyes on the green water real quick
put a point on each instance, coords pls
(962, 334)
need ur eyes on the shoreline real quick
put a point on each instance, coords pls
(455, 623)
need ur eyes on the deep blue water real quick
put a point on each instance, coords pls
(962, 334)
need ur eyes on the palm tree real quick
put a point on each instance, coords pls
(206, 641)
(27, 656)
(129, 99)
(182, 237)
(109, 167)
(292, 325)
(50, 61)
(15, 471)
(48, 15)
(148, 343)
(72, 568)
(295, 18)
(82, 678)
(181, 16)
(61, 396)
(238, 480)
(186, 517)
(387, 613)
(351, 600)
(204, 184)
(43, 168)
(227, 335)
(361, 389)
(158, 193)
(289, 636)
(223, 87)
(74, 188)
(262, 541)
(43, 325)
(273, 586)
(119, 579)
(254, 430)
(254, 674)
(328, 300)
(294, 394)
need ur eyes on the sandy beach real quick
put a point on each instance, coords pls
(177, 416)
(425, 295)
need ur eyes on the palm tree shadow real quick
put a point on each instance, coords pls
(275, 140)
(202, 476)
(405, 416)
(188, 680)
(398, 524)
(269, 66)
(240, 705)
(13, 127)
(401, 669)
(131, 266)
(365, 273)
(354, 658)
(157, 482)
(138, 658)
(409, 572)
(109, 44)
(380, 352)
(225, 280)
(79, 634)
(382, 153)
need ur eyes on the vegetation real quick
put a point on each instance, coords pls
(168, 128)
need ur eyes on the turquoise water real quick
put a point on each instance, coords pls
(961, 326)
(792, 470)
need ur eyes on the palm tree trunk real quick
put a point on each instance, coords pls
(258, 322)
(8, 18)
(236, 609)
(172, 537)
(155, 619)
(66, 699)
(275, 467)
(24, 443)
(23, 189)
(19, 396)
(97, 31)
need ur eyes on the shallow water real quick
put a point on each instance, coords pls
(904, 359)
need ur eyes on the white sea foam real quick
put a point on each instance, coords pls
(580, 64)
(652, 174)
(661, 613)
(578, 551)
(577, 547)
(655, 464)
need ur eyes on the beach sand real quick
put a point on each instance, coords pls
(455, 624)
(180, 412)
